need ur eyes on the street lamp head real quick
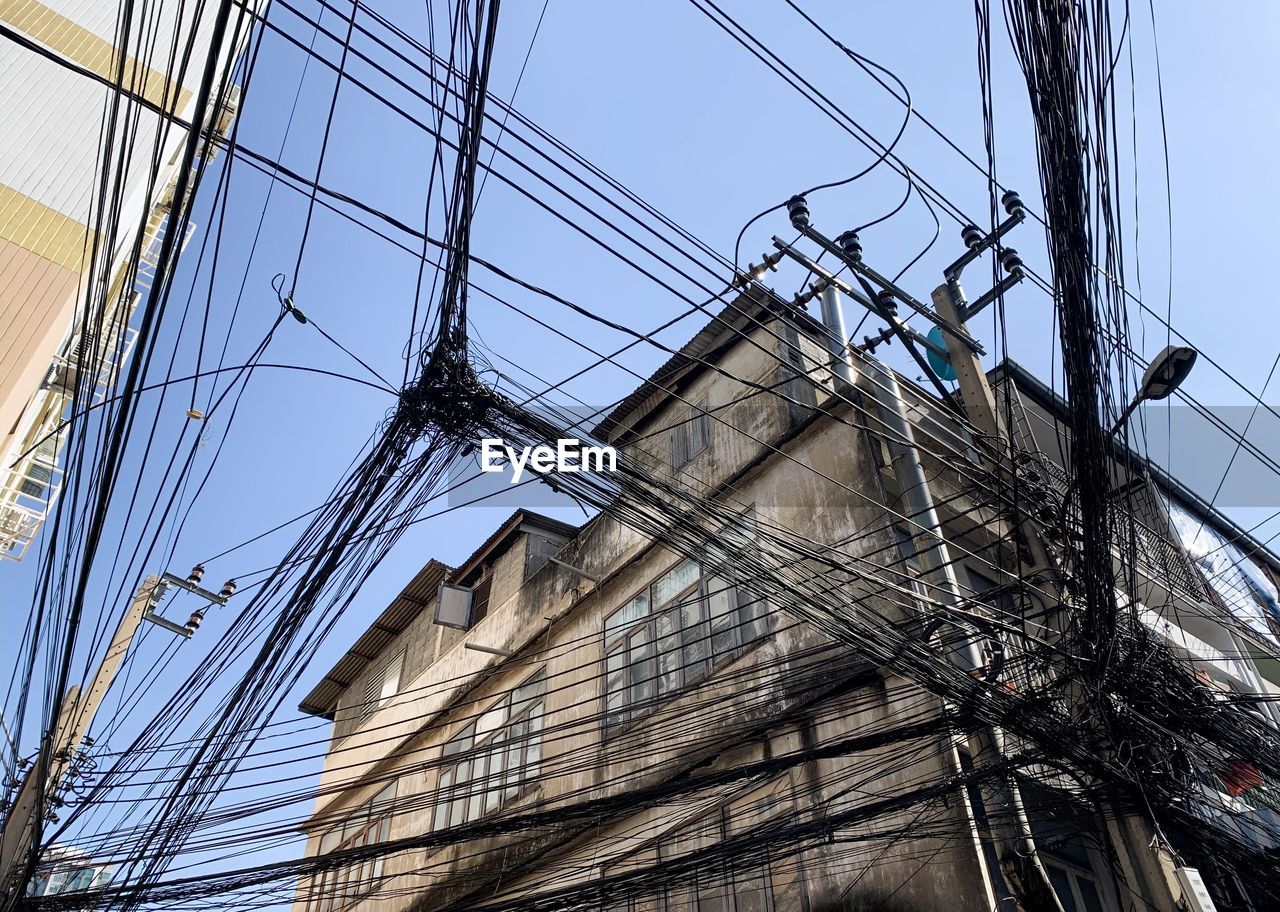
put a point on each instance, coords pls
(1166, 372)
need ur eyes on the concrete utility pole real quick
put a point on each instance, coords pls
(1006, 816)
(982, 411)
(75, 715)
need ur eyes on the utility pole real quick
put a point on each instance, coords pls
(983, 412)
(1006, 817)
(74, 716)
(23, 825)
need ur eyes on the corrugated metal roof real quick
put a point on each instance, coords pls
(412, 601)
(1042, 394)
(513, 524)
(323, 699)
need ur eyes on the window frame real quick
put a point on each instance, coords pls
(657, 660)
(512, 742)
(724, 883)
(481, 597)
(377, 684)
(341, 887)
(691, 436)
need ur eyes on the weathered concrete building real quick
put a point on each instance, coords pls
(619, 726)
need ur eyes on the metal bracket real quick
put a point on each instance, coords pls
(953, 271)
(171, 580)
(159, 621)
(166, 580)
(923, 310)
(968, 311)
(572, 569)
(831, 279)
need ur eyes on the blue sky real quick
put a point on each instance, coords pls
(666, 103)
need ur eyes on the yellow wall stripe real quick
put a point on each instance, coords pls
(45, 232)
(77, 43)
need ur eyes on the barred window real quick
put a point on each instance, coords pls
(497, 755)
(684, 624)
(369, 825)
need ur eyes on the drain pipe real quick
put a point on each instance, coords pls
(837, 337)
(1016, 850)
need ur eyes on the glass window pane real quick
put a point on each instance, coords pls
(724, 619)
(693, 630)
(713, 898)
(493, 796)
(492, 719)
(533, 750)
(462, 784)
(719, 599)
(479, 782)
(461, 741)
(681, 899)
(751, 892)
(673, 582)
(497, 768)
(616, 687)
(530, 690)
(329, 841)
(754, 617)
(1062, 886)
(643, 683)
(443, 798)
(516, 773)
(668, 644)
(625, 616)
(1089, 894)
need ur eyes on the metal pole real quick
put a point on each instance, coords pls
(837, 336)
(1007, 818)
(931, 547)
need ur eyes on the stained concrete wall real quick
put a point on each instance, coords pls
(821, 482)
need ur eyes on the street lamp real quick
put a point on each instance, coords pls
(1164, 374)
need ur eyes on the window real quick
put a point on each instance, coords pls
(989, 591)
(496, 755)
(462, 607)
(720, 887)
(1062, 838)
(691, 436)
(1077, 889)
(685, 623)
(1000, 600)
(538, 550)
(382, 684)
(480, 600)
(370, 825)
